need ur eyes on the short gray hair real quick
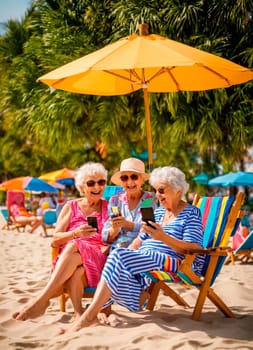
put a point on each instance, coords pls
(89, 169)
(172, 176)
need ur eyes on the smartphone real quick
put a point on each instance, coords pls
(115, 212)
(148, 215)
(92, 221)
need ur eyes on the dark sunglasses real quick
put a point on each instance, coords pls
(92, 183)
(124, 178)
(159, 190)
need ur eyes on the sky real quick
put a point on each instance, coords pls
(13, 9)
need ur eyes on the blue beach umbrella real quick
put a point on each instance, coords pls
(35, 184)
(67, 181)
(237, 178)
(202, 178)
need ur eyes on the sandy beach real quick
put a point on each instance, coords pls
(25, 269)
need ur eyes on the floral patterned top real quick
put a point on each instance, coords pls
(120, 200)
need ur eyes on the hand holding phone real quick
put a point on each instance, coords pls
(148, 215)
(92, 221)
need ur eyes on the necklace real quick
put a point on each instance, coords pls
(168, 216)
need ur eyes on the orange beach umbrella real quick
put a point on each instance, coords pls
(149, 62)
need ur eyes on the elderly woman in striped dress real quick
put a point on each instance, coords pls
(178, 228)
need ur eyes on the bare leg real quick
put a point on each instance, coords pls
(89, 317)
(69, 260)
(75, 286)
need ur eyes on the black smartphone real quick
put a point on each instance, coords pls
(92, 221)
(148, 215)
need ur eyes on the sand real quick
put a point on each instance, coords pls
(25, 269)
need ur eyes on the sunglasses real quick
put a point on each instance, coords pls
(124, 178)
(159, 190)
(92, 183)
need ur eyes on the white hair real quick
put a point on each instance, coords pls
(89, 169)
(172, 176)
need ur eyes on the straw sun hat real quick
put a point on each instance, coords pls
(130, 164)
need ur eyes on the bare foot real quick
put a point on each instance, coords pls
(103, 318)
(103, 315)
(79, 324)
(32, 311)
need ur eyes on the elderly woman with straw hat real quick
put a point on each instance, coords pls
(125, 219)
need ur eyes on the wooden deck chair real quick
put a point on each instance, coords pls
(87, 292)
(244, 252)
(221, 217)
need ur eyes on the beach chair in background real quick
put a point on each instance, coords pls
(243, 252)
(10, 199)
(8, 224)
(87, 292)
(111, 190)
(49, 220)
(221, 217)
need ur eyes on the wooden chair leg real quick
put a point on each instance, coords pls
(155, 288)
(173, 295)
(63, 300)
(203, 290)
(219, 303)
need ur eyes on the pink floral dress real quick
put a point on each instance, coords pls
(90, 248)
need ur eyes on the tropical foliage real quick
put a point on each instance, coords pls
(42, 130)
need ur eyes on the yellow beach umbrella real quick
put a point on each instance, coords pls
(149, 62)
(53, 176)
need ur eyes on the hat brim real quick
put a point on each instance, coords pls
(116, 177)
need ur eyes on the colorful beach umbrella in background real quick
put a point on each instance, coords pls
(64, 176)
(237, 178)
(27, 183)
(149, 62)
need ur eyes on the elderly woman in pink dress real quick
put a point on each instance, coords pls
(82, 251)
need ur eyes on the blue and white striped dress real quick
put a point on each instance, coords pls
(122, 271)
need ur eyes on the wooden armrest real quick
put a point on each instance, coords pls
(208, 251)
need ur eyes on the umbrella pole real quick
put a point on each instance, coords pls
(148, 129)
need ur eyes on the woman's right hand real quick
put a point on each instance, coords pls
(116, 223)
(84, 231)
